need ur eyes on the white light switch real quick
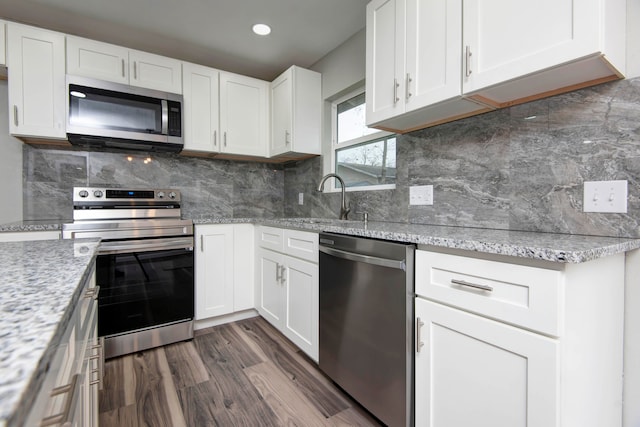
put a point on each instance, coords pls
(421, 195)
(301, 198)
(605, 196)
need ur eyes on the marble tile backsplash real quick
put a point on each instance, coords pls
(209, 187)
(519, 168)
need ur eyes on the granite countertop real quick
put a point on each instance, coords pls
(40, 288)
(40, 225)
(563, 248)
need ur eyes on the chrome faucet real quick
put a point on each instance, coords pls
(344, 210)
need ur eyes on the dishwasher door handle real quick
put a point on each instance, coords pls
(383, 262)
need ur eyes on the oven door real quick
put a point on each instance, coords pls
(144, 283)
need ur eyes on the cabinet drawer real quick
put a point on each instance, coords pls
(521, 295)
(271, 238)
(301, 244)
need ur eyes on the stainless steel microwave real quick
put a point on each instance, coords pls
(113, 115)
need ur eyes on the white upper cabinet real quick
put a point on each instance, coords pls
(580, 43)
(155, 71)
(296, 103)
(3, 44)
(99, 60)
(244, 115)
(118, 64)
(432, 61)
(385, 59)
(36, 74)
(200, 87)
(224, 113)
(413, 64)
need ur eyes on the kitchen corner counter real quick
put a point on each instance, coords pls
(561, 248)
(41, 282)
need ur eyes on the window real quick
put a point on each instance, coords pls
(364, 157)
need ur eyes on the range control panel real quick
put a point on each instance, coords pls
(102, 194)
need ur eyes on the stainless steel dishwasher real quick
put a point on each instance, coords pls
(366, 322)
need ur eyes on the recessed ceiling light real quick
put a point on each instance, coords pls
(261, 29)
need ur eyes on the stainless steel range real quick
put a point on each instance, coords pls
(144, 265)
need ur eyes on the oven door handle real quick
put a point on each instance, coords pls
(147, 245)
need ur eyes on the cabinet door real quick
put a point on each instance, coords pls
(201, 113)
(270, 291)
(475, 371)
(243, 115)
(214, 271)
(433, 59)
(243, 266)
(385, 59)
(506, 39)
(155, 72)
(301, 305)
(3, 50)
(35, 60)
(281, 114)
(98, 60)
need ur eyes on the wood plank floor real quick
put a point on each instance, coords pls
(239, 374)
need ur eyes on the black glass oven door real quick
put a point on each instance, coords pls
(144, 289)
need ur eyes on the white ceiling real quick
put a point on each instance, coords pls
(216, 33)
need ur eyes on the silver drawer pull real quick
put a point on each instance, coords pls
(92, 292)
(471, 285)
(419, 343)
(69, 401)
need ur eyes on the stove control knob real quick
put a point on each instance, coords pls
(172, 195)
(97, 193)
(83, 193)
(160, 194)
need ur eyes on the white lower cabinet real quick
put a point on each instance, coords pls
(287, 287)
(69, 392)
(506, 344)
(224, 269)
(473, 371)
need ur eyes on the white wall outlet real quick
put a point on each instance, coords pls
(605, 196)
(301, 198)
(421, 195)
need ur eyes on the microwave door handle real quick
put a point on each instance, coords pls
(165, 117)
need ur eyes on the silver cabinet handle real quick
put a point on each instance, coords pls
(287, 139)
(283, 277)
(278, 277)
(396, 85)
(93, 292)
(471, 285)
(15, 115)
(225, 138)
(215, 138)
(407, 89)
(202, 243)
(135, 70)
(63, 417)
(99, 357)
(419, 343)
(123, 67)
(467, 62)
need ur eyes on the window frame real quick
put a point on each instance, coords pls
(335, 146)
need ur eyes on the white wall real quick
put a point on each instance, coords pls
(633, 40)
(343, 69)
(10, 165)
